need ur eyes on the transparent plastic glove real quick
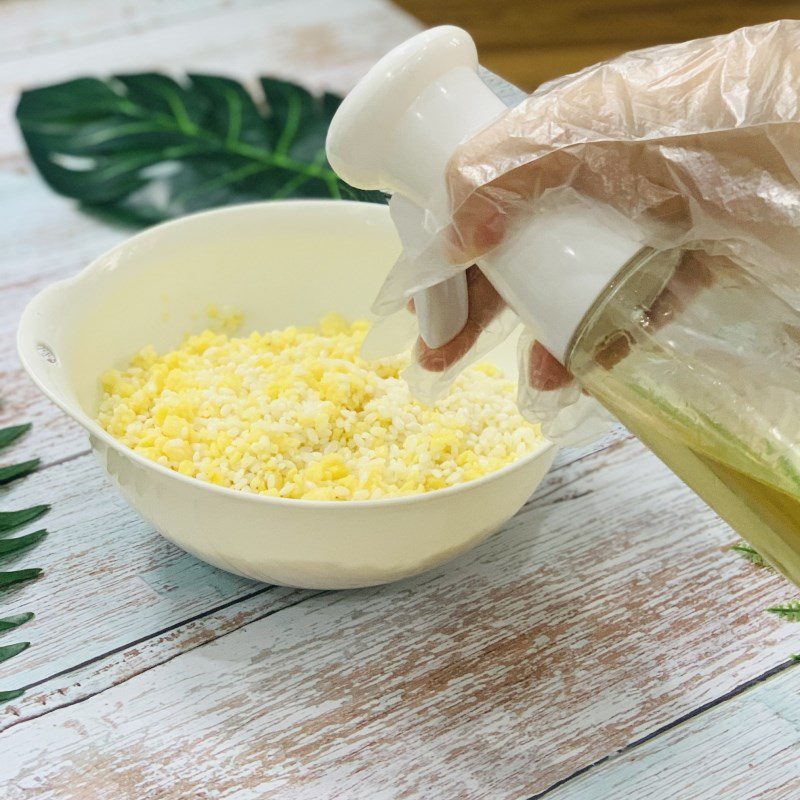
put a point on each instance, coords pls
(696, 145)
(488, 321)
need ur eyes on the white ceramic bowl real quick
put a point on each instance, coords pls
(279, 263)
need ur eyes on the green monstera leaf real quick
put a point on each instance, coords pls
(145, 148)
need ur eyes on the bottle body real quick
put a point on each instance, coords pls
(702, 363)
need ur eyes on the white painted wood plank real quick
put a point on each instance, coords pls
(28, 26)
(593, 620)
(109, 579)
(326, 45)
(135, 657)
(110, 544)
(43, 238)
(746, 748)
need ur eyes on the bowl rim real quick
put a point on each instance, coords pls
(76, 413)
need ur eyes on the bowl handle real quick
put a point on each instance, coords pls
(38, 354)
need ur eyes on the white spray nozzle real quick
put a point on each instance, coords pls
(398, 129)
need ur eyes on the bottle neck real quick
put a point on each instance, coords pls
(553, 265)
(638, 286)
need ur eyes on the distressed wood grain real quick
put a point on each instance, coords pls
(36, 25)
(326, 45)
(110, 578)
(582, 627)
(747, 748)
(43, 238)
(130, 553)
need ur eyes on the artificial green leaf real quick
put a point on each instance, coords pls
(750, 554)
(11, 473)
(789, 611)
(9, 435)
(145, 147)
(14, 621)
(18, 576)
(8, 546)
(10, 650)
(14, 519)
(9, 520)
(301, 119)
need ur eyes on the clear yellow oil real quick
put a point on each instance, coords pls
(710, 387)
(766, 516)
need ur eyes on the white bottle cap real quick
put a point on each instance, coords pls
(401, 123)
(397, 131)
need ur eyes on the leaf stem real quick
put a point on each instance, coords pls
(223, 180)
(290, 128)
(270, 159)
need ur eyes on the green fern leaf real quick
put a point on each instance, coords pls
(750, 554)
(9, 623)
(15, 471)
(10, 650)
(789, 611)
(8, 546)
(15, 519)
(9, 435)
(18, 576)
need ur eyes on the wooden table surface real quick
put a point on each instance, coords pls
(531, 42)
(605, 644)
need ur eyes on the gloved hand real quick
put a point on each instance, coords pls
(698, 144)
